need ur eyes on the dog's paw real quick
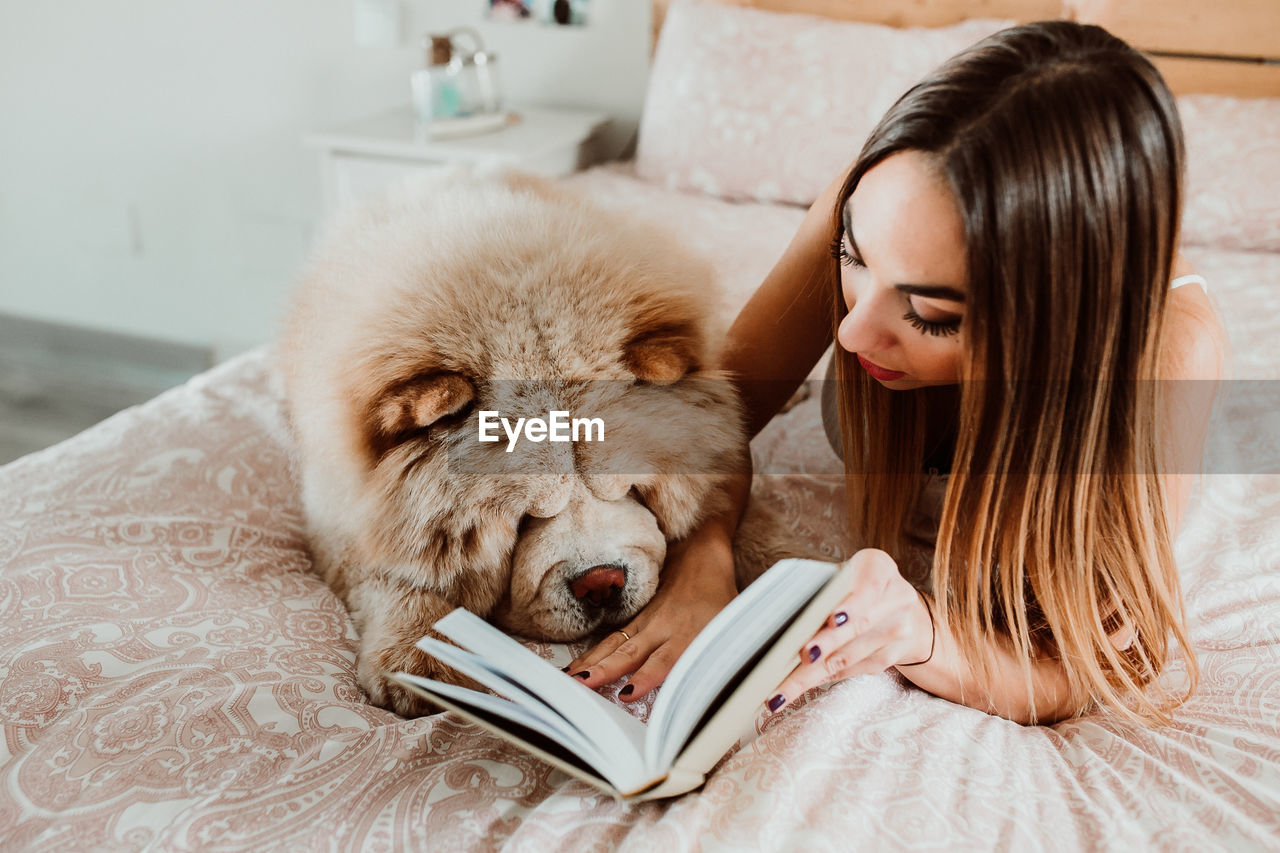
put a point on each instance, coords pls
(377, 663)
(386, 693)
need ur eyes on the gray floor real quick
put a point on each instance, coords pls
(56, 380)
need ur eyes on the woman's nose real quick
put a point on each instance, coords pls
(866, 327)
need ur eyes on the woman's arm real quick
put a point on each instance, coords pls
(884, 622)
(772, 345)
(1005, 693)
(785, 327)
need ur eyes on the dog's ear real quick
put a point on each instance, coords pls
(663, 355)
(415, 405)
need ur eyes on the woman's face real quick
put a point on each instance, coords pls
(903, 275)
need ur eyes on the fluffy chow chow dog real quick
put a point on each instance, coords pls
(424, 328)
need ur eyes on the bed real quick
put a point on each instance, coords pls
(173, 675)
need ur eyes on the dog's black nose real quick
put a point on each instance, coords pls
(599, 586)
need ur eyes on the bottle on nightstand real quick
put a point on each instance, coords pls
(455, 84)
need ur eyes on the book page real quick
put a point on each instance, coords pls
(616, 733)
(518, 705)
(475, 666)
(544, 723)
(744, 697)
(717, 655)
(530, 740)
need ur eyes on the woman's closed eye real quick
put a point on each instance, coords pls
(930, 321)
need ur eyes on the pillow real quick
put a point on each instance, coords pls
(747, 104)
(1233, 172)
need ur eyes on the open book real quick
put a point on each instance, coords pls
(714, 693)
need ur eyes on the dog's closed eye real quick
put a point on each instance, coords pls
(663, 356)
(410, 408)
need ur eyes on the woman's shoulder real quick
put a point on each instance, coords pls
(1195, 343)
(1192, 361)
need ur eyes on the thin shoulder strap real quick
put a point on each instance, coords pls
(1190, 278)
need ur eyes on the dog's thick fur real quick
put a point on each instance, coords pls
(507, 294)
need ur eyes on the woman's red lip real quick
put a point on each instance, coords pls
(878, 372)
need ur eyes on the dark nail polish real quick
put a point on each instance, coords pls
(776, 702)
(627, 691)
(584, 675)
(564, 669)
(814, 653)
(842, 618)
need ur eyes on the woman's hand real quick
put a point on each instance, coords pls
(882, 622)
(697, 582)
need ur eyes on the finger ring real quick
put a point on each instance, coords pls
(623, 633)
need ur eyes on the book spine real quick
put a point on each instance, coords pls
(678, 781)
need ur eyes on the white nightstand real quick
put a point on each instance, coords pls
(369, 154)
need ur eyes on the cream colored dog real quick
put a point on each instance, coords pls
(422, 318)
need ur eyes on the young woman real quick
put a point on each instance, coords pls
(999, 272)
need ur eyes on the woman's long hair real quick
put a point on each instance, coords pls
(1064, 151)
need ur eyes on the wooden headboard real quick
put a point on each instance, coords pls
(1228, 47)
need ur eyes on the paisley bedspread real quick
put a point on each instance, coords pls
(173, 676)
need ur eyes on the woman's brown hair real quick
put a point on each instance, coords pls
(1064, 151)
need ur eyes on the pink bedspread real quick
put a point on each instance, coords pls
(173, 676)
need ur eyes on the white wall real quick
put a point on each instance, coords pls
(152, 176)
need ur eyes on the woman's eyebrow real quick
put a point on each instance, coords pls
(932, 291)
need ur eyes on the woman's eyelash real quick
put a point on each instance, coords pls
(841, 254)
(930, 327)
